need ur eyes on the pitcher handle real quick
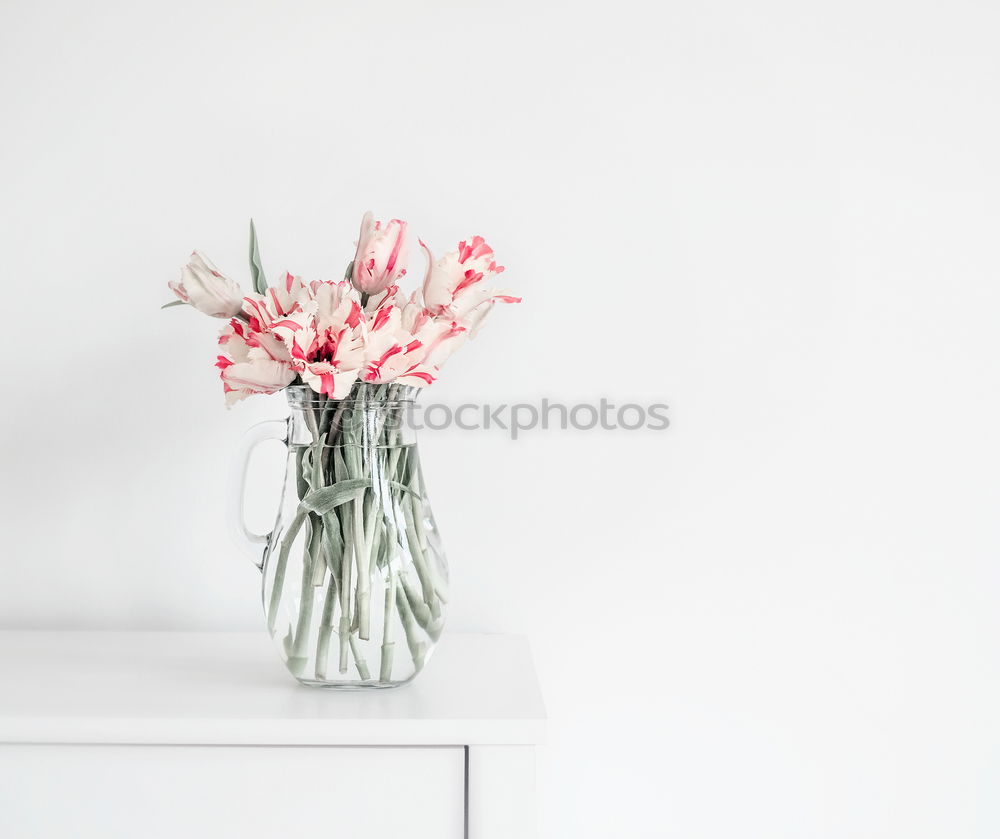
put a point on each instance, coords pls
(249, 541)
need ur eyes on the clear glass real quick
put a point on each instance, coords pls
(355, 579)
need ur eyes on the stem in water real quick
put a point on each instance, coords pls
(326, 629)
(410, 630)
(385, 665)
(359, 659)
(307, 596)
(280, 568)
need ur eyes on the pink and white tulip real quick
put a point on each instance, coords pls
(405, 344)
(456, 286)
(389, 349)
(206, 289)
(317, 330)
(380, 260)
(254, 362)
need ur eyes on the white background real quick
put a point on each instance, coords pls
(776, 619)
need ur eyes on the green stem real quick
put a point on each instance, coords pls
(318, 575)
(345, 602)
(410, 630)
(363, 594)
(340, 473)
(307, 597)
(424, 616)
(281, 567)
(419, 562)
(385, 662)
(359, 659)
(326, 629)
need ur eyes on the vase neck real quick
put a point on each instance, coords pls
(371, 416)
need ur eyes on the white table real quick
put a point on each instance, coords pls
(165, 734)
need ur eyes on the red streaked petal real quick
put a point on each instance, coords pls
(381, 319)
(470, 278)
(354, 318)
(295, 326)
(389, 353)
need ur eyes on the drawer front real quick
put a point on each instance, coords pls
(245, 791)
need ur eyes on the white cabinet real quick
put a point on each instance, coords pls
(204, 734)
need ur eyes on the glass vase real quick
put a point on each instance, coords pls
(354, 577)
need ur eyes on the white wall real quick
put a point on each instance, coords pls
(778, 619)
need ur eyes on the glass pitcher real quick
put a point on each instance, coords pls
(355, 581)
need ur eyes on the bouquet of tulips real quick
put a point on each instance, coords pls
(329, 335)
(351, 352)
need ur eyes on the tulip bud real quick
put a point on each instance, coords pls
(206, 289)
(381, 256)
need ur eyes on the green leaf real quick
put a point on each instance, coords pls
(403, 488)
(173, 303)
(323, 500)
(256, 269)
